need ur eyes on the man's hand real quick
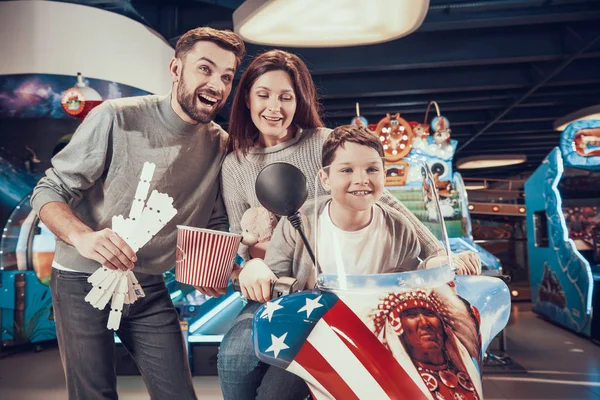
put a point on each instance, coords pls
(256, 279)
(106, 247)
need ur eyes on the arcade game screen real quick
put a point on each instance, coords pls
(583, 221)
(582, 214)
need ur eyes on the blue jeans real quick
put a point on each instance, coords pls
(149, 330)
(243, 376)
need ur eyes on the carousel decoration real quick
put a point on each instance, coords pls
(358, 120)
(441, 138)
(407, 142)
(441, 135)
(421, 132)
(79, 100)
(439, 144)
(396, 135)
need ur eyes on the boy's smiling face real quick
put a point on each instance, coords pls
(355, 177)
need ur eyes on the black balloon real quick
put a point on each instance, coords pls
(281, 188)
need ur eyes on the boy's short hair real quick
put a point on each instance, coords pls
(225, 39)
(349, 133)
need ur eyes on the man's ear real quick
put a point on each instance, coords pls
(175, 69)
(324, 178)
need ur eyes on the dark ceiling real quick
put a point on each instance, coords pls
(501, 70)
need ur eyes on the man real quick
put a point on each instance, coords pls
(95, 178)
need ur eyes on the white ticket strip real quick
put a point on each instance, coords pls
(146, 218)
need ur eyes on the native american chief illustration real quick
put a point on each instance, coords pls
(439, 332)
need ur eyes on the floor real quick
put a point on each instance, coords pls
(558, 364)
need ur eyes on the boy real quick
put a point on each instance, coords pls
(354, 231)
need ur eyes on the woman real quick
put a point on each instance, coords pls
(274, 117)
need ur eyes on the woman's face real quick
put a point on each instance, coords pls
(272, 104)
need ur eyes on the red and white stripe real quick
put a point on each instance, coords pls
(204, 257)
(342, 359)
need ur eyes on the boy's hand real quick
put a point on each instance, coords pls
(467, 263)
(256, 279)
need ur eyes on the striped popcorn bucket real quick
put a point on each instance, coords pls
(205, 257)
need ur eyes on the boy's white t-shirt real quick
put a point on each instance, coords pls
(358, 252)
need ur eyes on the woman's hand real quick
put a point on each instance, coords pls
(216, 292)
(256, 279)
(258, 250)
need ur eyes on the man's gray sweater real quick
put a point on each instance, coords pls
(98, 173)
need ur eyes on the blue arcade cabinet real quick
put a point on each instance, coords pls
(563, 231)
(26, 252)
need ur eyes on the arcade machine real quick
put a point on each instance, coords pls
(563, 229)
(26, 252)
(406, 144)
(26, 245)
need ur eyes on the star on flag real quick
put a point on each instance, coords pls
(270, 308)
(311, 305)
(277, 344)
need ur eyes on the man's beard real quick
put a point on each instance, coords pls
(188, 101)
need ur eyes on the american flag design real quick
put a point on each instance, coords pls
(205, 257)
(338, 345)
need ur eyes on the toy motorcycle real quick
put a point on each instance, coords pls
(385, 335)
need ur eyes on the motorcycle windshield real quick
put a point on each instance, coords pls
(362, 241)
